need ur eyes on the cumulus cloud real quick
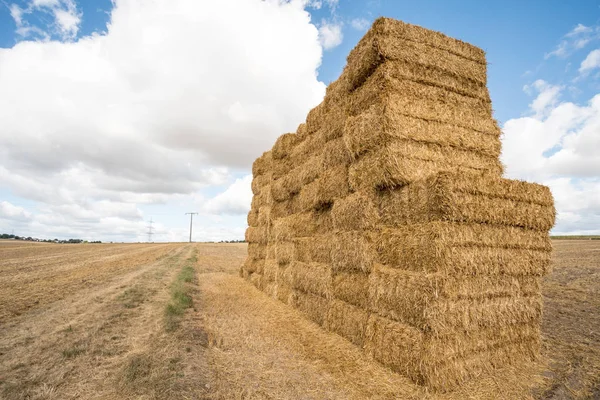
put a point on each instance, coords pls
(558, 147)
(579, 37)
(11, 212)
(173, 98)
(547, 97)
(330, 34)
(235, 200)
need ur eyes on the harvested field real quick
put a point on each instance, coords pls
(107, 340)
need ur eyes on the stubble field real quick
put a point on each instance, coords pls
(98, 321)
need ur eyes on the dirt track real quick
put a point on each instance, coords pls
(88, 322)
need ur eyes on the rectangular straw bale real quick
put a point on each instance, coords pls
(301, 131)
(252, 218)
(411, 297)
(285, 208)
(262, 164)
(263, 199)
(270, 288)
(254, 265)
(256, 235)
(413, 248)
(285, 274)
(353, 252)
(309, 147)
(284, 293)
(431, 65)
(395, 345)
(352, 287)
(284, 252)
(283, 145)
(257, 280)
(312, 278)
(404, 161)
(336, 153)
(284, 187)
(357, 211)
(313, 249)
(383, 124)
(470, 198)
(308, 171)
(313, 306)
(257, 251)
(270, 269)
(332, 185)
(260, 181)
(281, 167)
(264, 216)
(314, 118)
(301, 225)
(347, 321)
(422, 101)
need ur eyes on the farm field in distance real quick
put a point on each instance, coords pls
(95, 321)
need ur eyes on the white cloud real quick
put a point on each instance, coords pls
(330, 34)
(14, 213)
(591, 62)
(64, 12)
(169, 101)
(558, 147)
(360, 24)
(235, 200)
(547, 97)
(576, 39)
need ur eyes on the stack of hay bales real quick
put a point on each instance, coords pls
(385, 218)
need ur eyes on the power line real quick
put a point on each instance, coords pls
(191, 219)
(150, 230)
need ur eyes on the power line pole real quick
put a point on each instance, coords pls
(191, 219)
(150, 230)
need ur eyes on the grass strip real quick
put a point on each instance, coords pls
(181, 290)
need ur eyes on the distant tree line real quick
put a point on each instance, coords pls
(31, 239)
(232, 241)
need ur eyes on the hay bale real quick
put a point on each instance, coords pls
(285, 208)
(270, 270)
(260, 181)
(257, 251)
(252, 218)
(405, 161)
(257, 280)
(381, 125)
(395, 345)
(313, 249)
(358, 211)
(457, 249)
(284, 293)
(440, 304)
(301, 225)
(352, 287)
(270, 288)
(284, 145)
(256, 235)
(421, 101)
(467, 198)
(347, 321)
(313, 306)
(264, 217)
(332, 185)
(336, 153)
(312, 278)
(353, 252)
(284, 252)
(262, 164)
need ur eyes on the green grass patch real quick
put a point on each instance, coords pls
(132, 297)
(73, 352)
(575, 237)
(181, 298)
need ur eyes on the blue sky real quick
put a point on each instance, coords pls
(535, 51)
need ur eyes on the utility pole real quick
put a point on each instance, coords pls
(150, 230)
(191, 219)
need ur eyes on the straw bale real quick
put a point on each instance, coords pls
(314, 119)
(285, 208)
(285, 274)
(257, 280)
(282, 188)
(352, 288)
(333, 184)
(284, 252)
(270, 270)
(281, 167)
(262, 199)
(313, 306)
(309, 147)
(256, 235)
(284, 293)
(257, 251)
(376, 50)
(381, 125)
(421, 101)
(353, 252)
(260, 181)
(270, 288)
(283, 145)
(308, 171)
(470, 198)
(404, 161)
(347, 321)
(301, 225)
(313, 249)
(336, 153)
(312, 278)
(244, 273)
(358, 211)
(252, 217)
(262, 164)
(264, 216)
(394, 344)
